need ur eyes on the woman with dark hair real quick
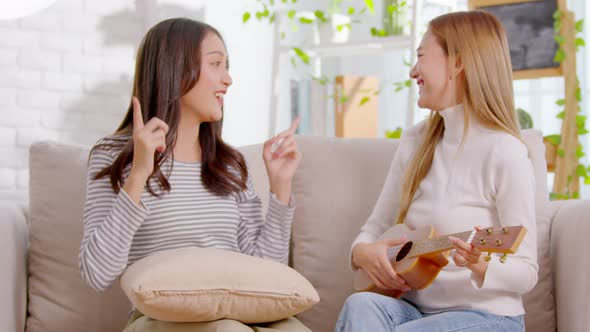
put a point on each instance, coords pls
(166, 179)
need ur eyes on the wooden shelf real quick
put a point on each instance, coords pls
(374, 46)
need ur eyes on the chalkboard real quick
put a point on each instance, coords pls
(529, 27)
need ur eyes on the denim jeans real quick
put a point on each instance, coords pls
(370, 312)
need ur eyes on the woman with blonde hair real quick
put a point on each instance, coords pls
(466, 166)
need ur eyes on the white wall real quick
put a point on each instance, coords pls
(66, 73)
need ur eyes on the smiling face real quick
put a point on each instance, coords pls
(436, 86)
(204, 101)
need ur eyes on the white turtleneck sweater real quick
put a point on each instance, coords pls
(487, 182)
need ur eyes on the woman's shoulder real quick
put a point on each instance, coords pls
(415, 132)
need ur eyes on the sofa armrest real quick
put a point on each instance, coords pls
(13, 257)
(570, 245)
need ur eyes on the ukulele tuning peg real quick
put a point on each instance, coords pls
(503, 258)
(488, 257)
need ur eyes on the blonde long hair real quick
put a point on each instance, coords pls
(478, 41)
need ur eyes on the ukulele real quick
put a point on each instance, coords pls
(419, 260)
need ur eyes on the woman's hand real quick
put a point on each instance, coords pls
(147, 139)
(372, 258)
(282, 163)
(466, 255)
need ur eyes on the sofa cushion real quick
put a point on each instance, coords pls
(539, 303)
(59, 300)
(336, 188)
(206, 284)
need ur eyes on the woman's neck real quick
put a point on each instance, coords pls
(187, 147)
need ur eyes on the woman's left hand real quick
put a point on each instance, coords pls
(468, 256)
(282, 163)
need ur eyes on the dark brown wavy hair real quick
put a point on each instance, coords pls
(167, 66)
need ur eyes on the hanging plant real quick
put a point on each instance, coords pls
(582, 170)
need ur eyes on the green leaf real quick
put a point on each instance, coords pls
(344, 99)
(524, 119)
(576, 195)
(559, 39)
(554, 139)
(350, 10)
(560, 115)
(395, 134)
(559, 56)
(302, 55)
(579, 154)
(321, 16)
(581, 170)
(557, 196)
(579, 94)
(583, 131)
(305, 20)
(587, 180)
(560, 102)
(364, 100)
(291, 14)
(580, 25)
(272, 18)
(557, 26)
(580, 42)
(557, 15)
(246, 17)
(580, 121)
(408, 83)
(282, 35)
(406, 62)
(293, 62)
(560, 152)
(370, 6)
(362, 11)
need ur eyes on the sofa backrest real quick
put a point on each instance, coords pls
(59, 299)
(335, 189)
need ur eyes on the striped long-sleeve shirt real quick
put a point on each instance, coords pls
(118, 232)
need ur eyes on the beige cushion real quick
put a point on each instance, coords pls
(206, 284)
(336, 188)
(59, 300)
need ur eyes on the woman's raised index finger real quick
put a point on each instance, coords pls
(137, 115)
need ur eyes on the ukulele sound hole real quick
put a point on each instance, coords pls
(404, 251)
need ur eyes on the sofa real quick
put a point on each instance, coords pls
(335, 188)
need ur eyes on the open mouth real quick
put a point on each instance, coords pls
(219, 96)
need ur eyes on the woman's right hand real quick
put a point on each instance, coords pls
(372, 258)
(147, 139)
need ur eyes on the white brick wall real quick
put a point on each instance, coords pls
(66, 76)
